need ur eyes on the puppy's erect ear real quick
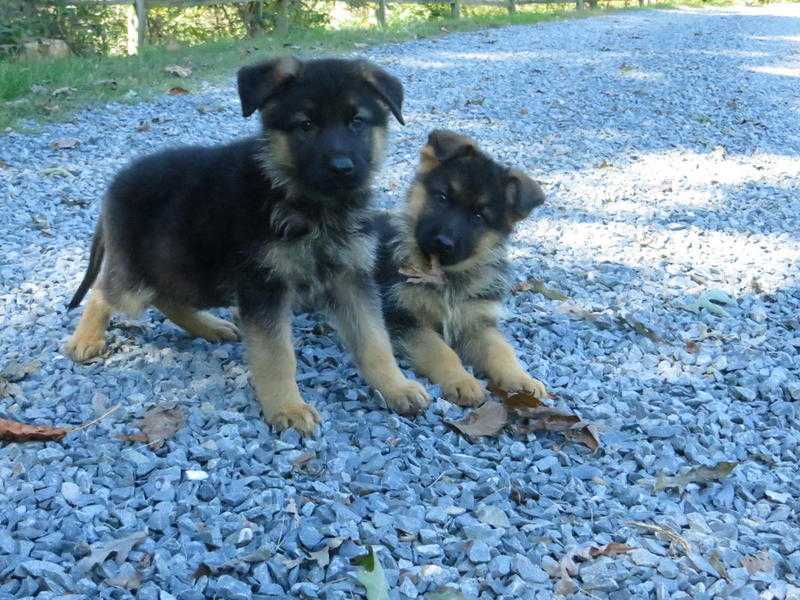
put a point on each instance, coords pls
(447, 145)
(259, 82)
(523, 194)
(387, 87)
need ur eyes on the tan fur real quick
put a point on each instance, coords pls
(199, 323)
(427, 160)
(433, 358)
(364, 333)
(272, 364)
(490, 353)
(88, 340)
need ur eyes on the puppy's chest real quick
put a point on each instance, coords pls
(314, 264)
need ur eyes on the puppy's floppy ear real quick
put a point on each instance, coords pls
(444, 145)
(387, 87)
(523, 194)
(259, 82)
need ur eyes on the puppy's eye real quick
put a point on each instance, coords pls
(479, 215)
(441, 197)
(306, 125)
(357, 123)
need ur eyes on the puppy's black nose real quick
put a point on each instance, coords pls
(444, 245)
(341, 165)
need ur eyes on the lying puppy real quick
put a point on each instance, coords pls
(262, 223)
(442, 267)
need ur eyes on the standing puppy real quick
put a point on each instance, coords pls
(443, 271)
(263, 223)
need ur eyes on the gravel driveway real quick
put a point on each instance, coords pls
(669, 144)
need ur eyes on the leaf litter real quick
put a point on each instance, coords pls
(100, 551)
(14, 431)
(567, 566)
(537, 286)
(697, 475)
(158, 425)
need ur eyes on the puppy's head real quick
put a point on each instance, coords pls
(463, 205)
(325, 121)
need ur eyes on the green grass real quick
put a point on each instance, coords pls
(27, 86)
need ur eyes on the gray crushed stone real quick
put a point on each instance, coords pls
(669, 146)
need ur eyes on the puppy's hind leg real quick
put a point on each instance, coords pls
(199, 323)
(88, 340)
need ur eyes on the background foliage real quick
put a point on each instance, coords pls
(89, 29)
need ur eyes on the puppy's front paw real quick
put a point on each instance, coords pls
(464, 390)
(521, 382)
(406, 397)
(303, 417)
(82, 349)
(218, 330)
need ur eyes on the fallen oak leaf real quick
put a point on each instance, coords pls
(548, 418)
(486, 420)
(14, 431)
(370, 574)
(100, 551)
(178, 91)
(158, 424)
(697, 475)
(513, 400)
(537, 286)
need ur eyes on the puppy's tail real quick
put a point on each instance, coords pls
(95, 261)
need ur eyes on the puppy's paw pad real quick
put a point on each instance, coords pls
(407, 398)
(81, 350)
(465, 391)
(303, 417)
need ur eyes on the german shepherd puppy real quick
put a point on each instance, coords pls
(263, 223)
(442, 267)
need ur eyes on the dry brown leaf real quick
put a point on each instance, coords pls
(568, 567)
(4, 165)
(548, 418)
(111, 83)
(65, 143)
(160, 424)
(664, 532)
(698, 475)
(131, 437)
(611, 549)
(760, 562)
(434, 275)
(178, 70)
(14, 431)
(515, 400)
(178, 91)
(537, 286)
(143, 126)
(488, 419)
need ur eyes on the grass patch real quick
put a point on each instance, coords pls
(36, 91)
